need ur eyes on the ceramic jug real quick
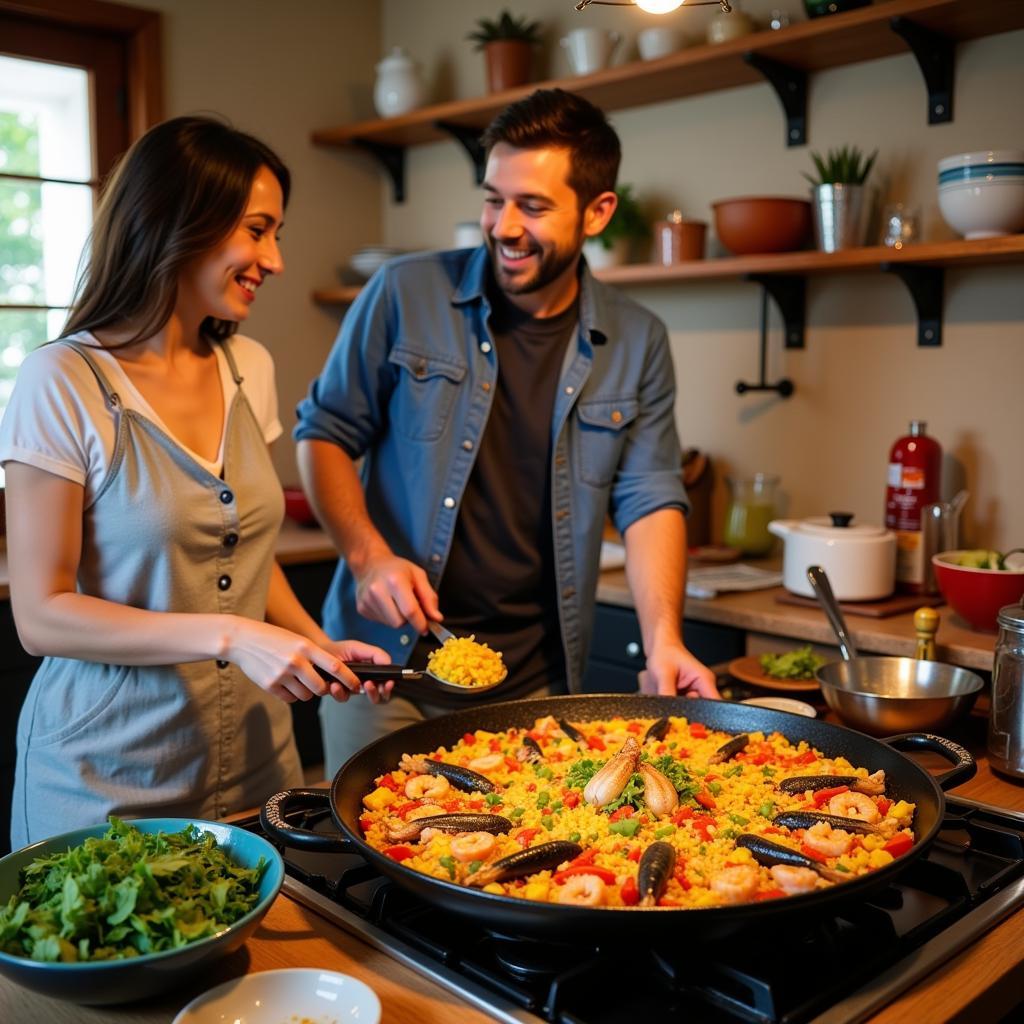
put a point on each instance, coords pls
(398, 88)
(590, 49)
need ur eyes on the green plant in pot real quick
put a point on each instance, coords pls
(508, 44)
(838, 197)
(627, 226)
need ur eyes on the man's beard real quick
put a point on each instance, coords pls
(553, 263)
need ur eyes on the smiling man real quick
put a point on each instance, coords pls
(503, 402)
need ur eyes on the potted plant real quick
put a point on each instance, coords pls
(838, 194)
(627, 225)
(508, 46)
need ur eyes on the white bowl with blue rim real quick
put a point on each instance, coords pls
(104, 982)
(981, 194)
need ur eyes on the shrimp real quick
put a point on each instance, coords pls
(431, 786)
(582, 891)
(854, 805)
(547, 726)
(792, 880)
(472, 846)
(737, 884)
(486, 763)
(828, 841)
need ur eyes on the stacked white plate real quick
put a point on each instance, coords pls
(367, 261)
(981, 195)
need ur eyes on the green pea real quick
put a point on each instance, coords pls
(548, 822)
(517, 812)
(574, 837)
(543, 799)
(767, 809)
(715, 787)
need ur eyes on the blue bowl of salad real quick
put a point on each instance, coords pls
(121, 911)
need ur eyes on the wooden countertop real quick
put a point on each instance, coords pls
(757, 611)
(982, 984)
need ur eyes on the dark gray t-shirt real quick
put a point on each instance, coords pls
(499, 582)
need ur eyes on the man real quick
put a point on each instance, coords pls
(503, 402)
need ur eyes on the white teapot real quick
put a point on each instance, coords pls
(398, 88)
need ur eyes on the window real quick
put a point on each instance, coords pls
(77, 83)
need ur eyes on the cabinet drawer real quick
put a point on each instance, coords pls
(617, 637)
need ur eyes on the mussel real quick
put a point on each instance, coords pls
(456, 774)
(526, 862)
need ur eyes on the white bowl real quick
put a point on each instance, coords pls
(276, 997)
(981, 195)
(794, 707)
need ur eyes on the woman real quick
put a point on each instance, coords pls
(143, 509)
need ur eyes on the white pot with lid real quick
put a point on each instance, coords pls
(860, 560)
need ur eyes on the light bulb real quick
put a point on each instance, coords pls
(659, 6)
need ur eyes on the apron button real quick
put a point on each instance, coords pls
(230, 540)
(226, 497)
(224, 583)
(222, 664)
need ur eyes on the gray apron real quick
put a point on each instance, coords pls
(192, 740)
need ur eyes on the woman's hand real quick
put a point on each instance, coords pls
(356, 650)
(285, 664)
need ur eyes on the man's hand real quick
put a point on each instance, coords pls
(395, 591)
(672, 669)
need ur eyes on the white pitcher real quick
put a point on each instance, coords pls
(398, 88)
(590, 49)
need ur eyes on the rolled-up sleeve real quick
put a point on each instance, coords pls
(347, 403)
(649, 476)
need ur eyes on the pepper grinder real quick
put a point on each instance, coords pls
(926, 623)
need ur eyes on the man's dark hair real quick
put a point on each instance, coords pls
(556, 118)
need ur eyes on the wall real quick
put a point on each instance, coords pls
(861, 377)
(279, 71)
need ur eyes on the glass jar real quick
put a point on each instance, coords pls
(751, 509)
(1006, 717)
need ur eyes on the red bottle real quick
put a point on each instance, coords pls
(915, 478)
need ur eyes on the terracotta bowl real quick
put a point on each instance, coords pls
(759, 224)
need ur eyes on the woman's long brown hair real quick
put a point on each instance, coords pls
(177, 193)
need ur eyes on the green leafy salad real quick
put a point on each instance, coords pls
(124, 894)
(799, 664)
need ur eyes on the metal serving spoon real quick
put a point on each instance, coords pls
(367, 671)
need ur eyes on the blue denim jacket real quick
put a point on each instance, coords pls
(408, 386)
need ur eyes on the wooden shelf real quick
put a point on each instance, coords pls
(860, 35)
(961, 253)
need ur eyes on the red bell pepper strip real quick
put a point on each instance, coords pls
(809, 851)
(807, 757)
(635, 727)
(630, 893)
(468, 737)
(701, 826)
(883, 804)
(495, 745)
(388, 782)
(625, 811)
(513, 765)
(679, 874)
(571, 799)
(705, 799)
(771, 894)
(634, 854)
(606, 876)
(398, 853)
(822, 796)
(586, 857)
(596, 743)
(683, 814)
(698, 730)
(525, 837)
(898, 845)
(365, 822)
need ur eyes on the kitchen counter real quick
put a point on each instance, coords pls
(981, 984)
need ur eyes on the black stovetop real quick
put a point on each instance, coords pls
(835, 968)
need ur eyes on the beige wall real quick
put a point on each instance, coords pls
(861, 377)
(279, 71)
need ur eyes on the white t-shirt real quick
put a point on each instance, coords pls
(57, 419)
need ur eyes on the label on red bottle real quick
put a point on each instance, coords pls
(909, 559)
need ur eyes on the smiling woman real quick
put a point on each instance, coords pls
(143, 508)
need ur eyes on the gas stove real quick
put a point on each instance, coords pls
(834, 969)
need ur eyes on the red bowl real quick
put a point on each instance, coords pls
(297, 507)
(977, 594)
(757, 224)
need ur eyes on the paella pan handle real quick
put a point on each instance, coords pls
(272, 818)
(964, 765)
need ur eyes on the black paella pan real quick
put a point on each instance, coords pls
(905, 780)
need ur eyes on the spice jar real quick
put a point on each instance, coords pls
(1006, 717)
(677, 239)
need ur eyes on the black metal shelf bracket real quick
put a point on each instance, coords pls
(392, 159)
(469, 139)
(935, 55)
(925, 285)
(789, 293)
(783, 387)
(790, 84)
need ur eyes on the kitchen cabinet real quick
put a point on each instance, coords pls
(617, 653)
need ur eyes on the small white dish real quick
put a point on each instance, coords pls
(794, 707)
(292, 994)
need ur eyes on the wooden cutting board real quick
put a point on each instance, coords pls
(895, 605)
